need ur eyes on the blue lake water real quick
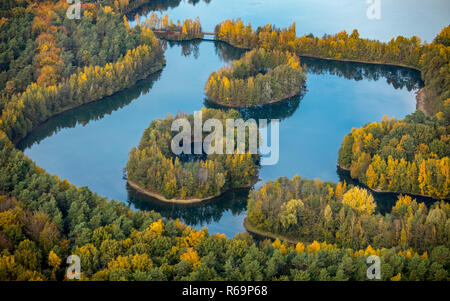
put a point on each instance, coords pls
(397, 17)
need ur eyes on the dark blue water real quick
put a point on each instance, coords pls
(89, 146)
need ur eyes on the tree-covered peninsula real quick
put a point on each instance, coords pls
(311, 210)
(71, 71)
(409, 155)
(261, 76)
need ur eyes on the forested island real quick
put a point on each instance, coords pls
(167, 29)
(155, 170)
(259, 77)
(50, 64)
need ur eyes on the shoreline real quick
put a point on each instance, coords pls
(161, 35)
(361, 62)
(67, 109)
(161, 198)
(267, 235)
(420, 101)
(306, 55)
(255, 105)
(337, 60)
(214, 39)
(393, 192)
(159, 68)
(420, 94)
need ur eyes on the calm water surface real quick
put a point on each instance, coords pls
(397, 17)
(89, 146)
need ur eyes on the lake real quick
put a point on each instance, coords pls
(397, 17)
(89, 145)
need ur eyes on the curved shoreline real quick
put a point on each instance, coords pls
(267, 235)
(273, 101)
(393, 192)
(152, 71)
(335, 59)
(361, 62)
(161, 198)
(158, 69)
(420, 97)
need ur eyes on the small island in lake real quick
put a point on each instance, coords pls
(154, 169)
(167, 29)
(260, 77)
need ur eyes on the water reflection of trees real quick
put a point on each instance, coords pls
(188, 48)
(385, 200)
(193, 214)
(227, 52)
(159, 5)
(398, 77)
(86, 113)
(279, 110)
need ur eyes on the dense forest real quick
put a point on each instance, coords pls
(116, 245)
(16, 48)
(44, 218)
(432, 59)
(311, 210)
(154, 166)
(55, 91)
(40, 44)
(259, 77)
(409, 155)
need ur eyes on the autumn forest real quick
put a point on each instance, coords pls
(293, 227)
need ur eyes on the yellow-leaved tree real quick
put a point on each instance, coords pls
(360, 200)
(191, 256)
(54, 261)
